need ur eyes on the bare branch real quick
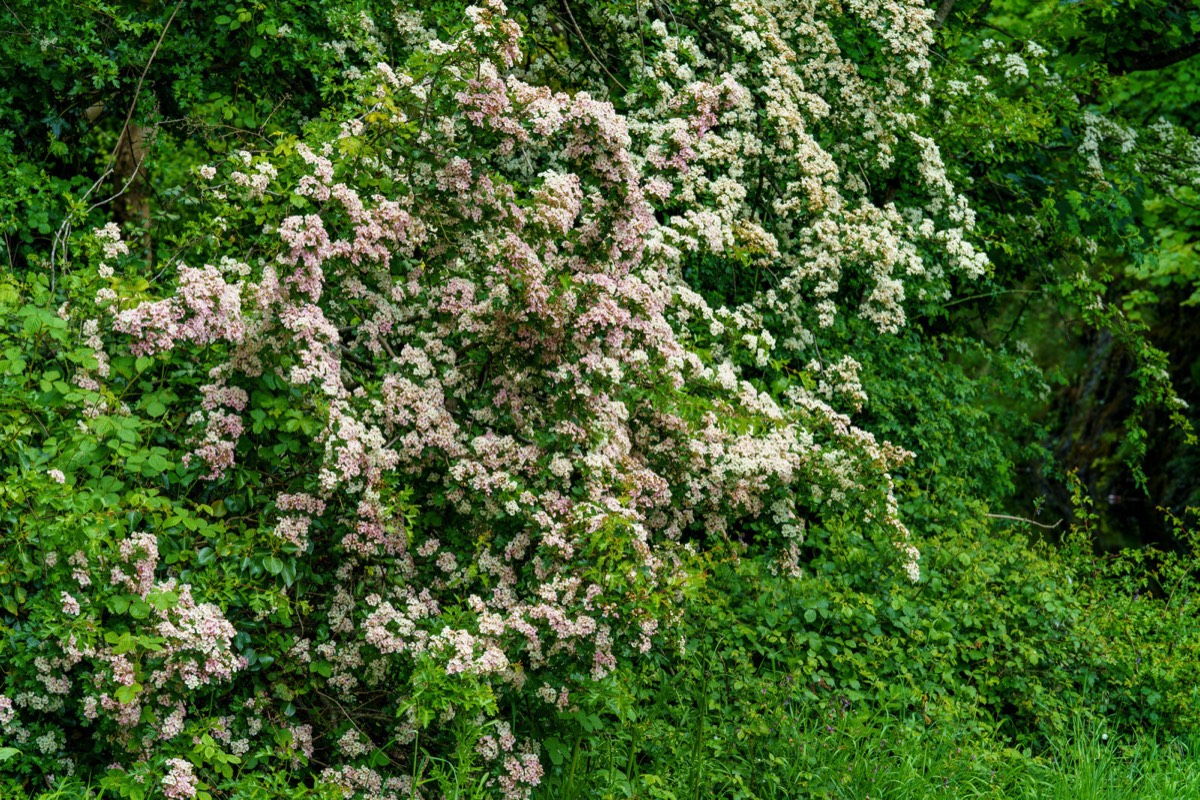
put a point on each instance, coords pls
(64, 230)
(588, 47)
(1023, 519)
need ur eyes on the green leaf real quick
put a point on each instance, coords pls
(163, 600)
(126, 694)
(556, 749)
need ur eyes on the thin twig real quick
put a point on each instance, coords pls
(132, 177)
(141, 78)
(984, 295)
(1024, 519)
(583, 39)
(64, 230)
(28, 32)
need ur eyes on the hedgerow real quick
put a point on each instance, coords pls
(403, 430)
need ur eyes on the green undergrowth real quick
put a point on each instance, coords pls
(1014, 669)
(867, 756)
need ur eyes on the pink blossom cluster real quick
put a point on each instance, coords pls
(206, 309)
(180, 780)
(198, 646)
(219, 411)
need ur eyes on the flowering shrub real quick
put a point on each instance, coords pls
(482, 427)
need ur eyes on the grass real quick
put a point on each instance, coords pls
(854, 759)
(693, 738)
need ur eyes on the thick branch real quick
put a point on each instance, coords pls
(1128, 61)
(943, 12)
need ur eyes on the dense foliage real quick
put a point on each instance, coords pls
(393, 397)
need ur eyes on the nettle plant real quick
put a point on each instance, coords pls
(450, 432)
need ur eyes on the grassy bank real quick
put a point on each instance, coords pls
(881, 759)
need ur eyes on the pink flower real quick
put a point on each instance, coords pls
(70, 605)
(180, 780)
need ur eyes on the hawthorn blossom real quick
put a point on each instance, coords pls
(70, 606)
(180, 780)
